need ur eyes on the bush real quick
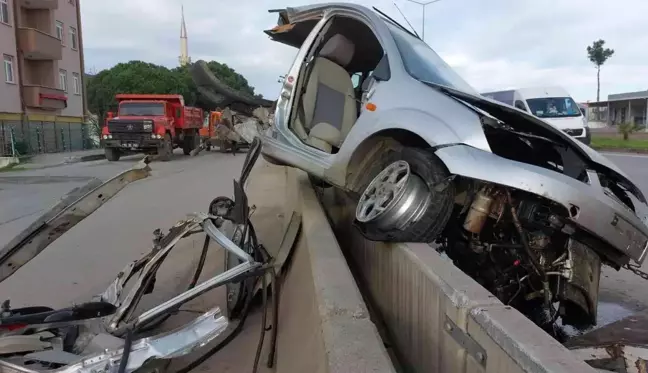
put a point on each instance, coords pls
(626, 129)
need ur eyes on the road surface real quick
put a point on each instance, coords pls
(83, 261)
(623, 292)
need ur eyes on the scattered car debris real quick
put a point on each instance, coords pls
(104, 335)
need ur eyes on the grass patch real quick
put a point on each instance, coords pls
(12, 167)
(619, 143)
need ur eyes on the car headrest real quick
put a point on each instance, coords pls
(338, 49)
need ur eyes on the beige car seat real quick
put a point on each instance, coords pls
(329, 108)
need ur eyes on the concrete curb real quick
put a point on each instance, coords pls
(620, 150)
(84, 158)
(349, 338)
(417, 293)
(8, 162)
(65, 161)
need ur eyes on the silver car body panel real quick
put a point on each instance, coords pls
(446, 122)
(179, 342)
(598, 213)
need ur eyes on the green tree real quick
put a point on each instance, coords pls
(131, 77)
(598, 54)
(143, 77)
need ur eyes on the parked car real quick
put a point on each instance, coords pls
(531, 213)
(552, 104)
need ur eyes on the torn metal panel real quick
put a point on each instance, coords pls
(23, 343)
(128, 305)
(52, 356)
(78, 205)
(181, 341)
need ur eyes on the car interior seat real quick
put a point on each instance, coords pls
(328, 105)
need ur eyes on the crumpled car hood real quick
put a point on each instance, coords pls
(492, 107)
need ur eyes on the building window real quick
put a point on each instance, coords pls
(9, 69)
(59, 31)
(73, 38)
(63, 80)
(77, 83)
(4, 11)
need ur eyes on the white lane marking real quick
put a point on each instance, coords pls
(629, 155)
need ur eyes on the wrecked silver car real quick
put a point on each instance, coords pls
(523, 208)
(107, 334)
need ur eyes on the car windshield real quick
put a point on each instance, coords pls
(554, 107)
(422, 63)
(141, 108)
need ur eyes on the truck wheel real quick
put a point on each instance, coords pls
(166, 149)
(408, 197)
(208, 145)
(112, 154)
(189, 143)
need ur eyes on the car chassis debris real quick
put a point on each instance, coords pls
(99, 336)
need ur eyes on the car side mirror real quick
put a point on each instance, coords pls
(380, 73)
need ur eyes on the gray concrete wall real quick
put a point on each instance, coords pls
(323, 321)
(416, 291)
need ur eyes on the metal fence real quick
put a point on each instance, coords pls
(34, 137)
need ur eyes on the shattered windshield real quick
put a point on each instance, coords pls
(141, 108)
(424, 64)
(554, 107)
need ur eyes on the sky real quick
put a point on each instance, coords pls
(492, 44)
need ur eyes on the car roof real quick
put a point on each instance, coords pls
(537, 92)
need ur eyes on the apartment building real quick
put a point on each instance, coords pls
(41, 91)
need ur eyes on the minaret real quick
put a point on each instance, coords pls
(184, 50)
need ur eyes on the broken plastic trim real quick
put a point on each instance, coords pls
(178, 342)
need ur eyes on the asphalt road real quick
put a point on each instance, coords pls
(623, 292)
(83, 260)
(80, 263)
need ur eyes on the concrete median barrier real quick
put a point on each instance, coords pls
(437, 318)
(324, 325)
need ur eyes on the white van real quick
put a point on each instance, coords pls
(551, 104)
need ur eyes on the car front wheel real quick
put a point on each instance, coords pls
(408, 196)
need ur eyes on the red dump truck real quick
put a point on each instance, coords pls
(152, 124)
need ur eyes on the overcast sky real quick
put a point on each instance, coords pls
(493, 44)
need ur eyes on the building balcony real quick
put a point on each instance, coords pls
(44, 98)
(38, 45)
(38, 4)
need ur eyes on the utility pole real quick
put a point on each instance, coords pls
(423, 4)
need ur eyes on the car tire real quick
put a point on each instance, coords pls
(431, 217)
(166, 149)
(189, 143)
(112, 154)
